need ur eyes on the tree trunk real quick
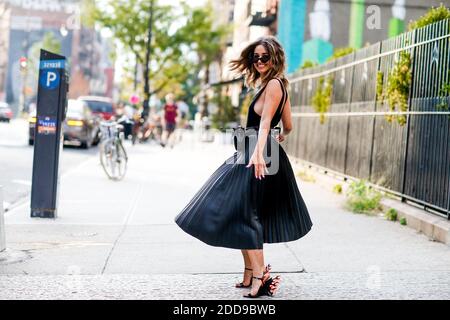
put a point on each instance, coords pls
(205, 112)
(147, 62)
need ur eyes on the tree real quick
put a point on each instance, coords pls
(176, 34)
(49, 43)
(128, 21)
(205, 38)
(226, 113)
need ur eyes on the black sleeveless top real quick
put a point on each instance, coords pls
(253, 119)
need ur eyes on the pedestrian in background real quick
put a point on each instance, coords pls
(183, 119)
(169, 120)
(239, 207)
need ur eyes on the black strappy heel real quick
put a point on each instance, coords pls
(261, 289)
(269, 285)
(241, 284)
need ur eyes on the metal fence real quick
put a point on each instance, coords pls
(356, 140)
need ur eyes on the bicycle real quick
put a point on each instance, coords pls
(113, 156)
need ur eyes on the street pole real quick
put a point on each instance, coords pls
(147, 62)
(24, 73)
(205, 112)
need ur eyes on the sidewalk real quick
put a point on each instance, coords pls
(117, 240)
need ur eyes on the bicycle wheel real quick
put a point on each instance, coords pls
(107, 151)
(121, 160)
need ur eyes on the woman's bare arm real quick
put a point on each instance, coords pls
(286, 118)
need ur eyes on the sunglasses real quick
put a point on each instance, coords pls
(264, 58)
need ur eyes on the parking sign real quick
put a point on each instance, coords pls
(49, 79)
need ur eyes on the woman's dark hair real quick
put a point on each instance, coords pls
(244, 63)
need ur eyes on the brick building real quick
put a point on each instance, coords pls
(23, 25)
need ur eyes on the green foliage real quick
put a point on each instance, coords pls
(174, 34)
(341, 52)
(87, 8)
(305, 176)
(432, 16)
(403, 221)
(362, 199)
(308, 64)
(444, 93)
(225, 111)
(245, 105)
(337, 189)
(128, 22)
(49, 42)
(321, 101)
(202, 34)
(392, 214)
(380, 83)
(399, 83)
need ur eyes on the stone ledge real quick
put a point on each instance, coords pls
(434, 227)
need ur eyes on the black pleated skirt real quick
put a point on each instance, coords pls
(233, 209)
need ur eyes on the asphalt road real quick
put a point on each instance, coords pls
(16, 161)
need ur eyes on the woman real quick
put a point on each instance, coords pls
(240, 206)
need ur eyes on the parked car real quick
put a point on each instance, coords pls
(102, 106)
(31, 126)
(81, 126)
(6, 113)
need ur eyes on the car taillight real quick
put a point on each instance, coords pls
(9, 114)
(32, 120)
(75, 123)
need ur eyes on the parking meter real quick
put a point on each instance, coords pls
(50, 113)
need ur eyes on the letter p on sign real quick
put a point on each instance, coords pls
(49, 79)
(51, 76)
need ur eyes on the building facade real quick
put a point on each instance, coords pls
(250, 19)
(5, 12)
(313, 29)
(24, 24)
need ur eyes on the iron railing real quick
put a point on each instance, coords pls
(356, 140)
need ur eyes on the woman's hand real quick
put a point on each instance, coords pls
(280, 138)
(257, 160)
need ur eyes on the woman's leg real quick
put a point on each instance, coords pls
(247, 278)
(247, 262)
(257, 261)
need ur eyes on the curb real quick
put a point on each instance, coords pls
(434, 227)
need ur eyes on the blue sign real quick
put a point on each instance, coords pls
(52, 64)
(49, 79)
(46, 125)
